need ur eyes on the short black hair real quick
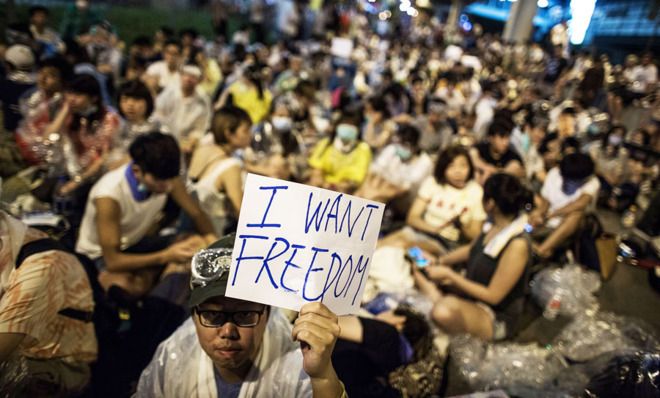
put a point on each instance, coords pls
(136, 89)
(408, 134)
(36, 9)
(84, 84)
(570, 144)
(60, 64)
(142, 41)
(227, 118)
(172, 42)
(444, 160)
(502, 124)
(545, 144)
(189, 32)
(157, 154)
(379, 104)
(509, 194)
(569, 110)
(167, 31)
(576, 166)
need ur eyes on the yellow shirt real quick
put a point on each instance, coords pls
(247, 98)
(338, 166)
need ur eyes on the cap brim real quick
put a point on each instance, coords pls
(201, 294)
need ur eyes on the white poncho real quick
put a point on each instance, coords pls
(180, 368)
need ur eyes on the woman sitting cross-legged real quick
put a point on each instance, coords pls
(488, 299)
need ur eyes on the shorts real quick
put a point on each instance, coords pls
(416, 236)
(500, 328)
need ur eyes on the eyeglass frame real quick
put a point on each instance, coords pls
(229, 317)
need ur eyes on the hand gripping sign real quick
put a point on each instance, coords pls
(297, 244)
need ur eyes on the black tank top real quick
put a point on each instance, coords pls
(481, 268)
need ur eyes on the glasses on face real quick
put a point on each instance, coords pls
(216, 319)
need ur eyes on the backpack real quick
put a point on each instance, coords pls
(128, 331)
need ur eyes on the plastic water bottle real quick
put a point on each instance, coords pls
(62, 203)
(553, 306)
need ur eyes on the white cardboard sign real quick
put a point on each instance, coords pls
(297, 244)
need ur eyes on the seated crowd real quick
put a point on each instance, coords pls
(488, 158)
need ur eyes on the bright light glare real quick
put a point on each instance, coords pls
(581, 12)
(385, 15)
(542, 3)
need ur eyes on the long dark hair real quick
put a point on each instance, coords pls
(510, 196)
(254, 74)
(87, 85)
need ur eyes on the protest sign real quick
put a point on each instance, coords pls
(297, 244)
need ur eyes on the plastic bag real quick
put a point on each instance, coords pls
(508, 366)
(570, 288)
(592, 334)
(636, 375)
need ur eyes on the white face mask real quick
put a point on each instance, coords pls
(342, 146)
(282, 123)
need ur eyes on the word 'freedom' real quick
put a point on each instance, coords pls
(310, 271)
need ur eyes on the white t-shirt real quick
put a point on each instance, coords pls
(183, 117)
(557, 199)
(446, 202)
(135, 220)
(166, 77)
(402, 174)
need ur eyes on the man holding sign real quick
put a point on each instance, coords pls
(237, 348)
(297, 247)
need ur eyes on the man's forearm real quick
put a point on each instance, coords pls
(125, 262)
(328, 387)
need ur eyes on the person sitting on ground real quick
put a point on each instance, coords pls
(39, 107)
(400, 168)
(217, 174)
(448, 205)
(37, 297)
(122, 208)
(233, 347)
(496, 154)
(165, 73)
(249, 93)
(87, 129)
(487, 301)
(341, 161)
(135, 105)
(379, 129)
(184, 111)
(568, 193)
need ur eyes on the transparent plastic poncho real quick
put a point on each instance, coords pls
(180, 368)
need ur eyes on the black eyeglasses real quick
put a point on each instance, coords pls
(215, 319)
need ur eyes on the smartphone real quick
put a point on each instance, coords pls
(416, 255)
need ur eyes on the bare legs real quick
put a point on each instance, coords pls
(565, 230)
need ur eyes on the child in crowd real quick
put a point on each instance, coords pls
(448, 205)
